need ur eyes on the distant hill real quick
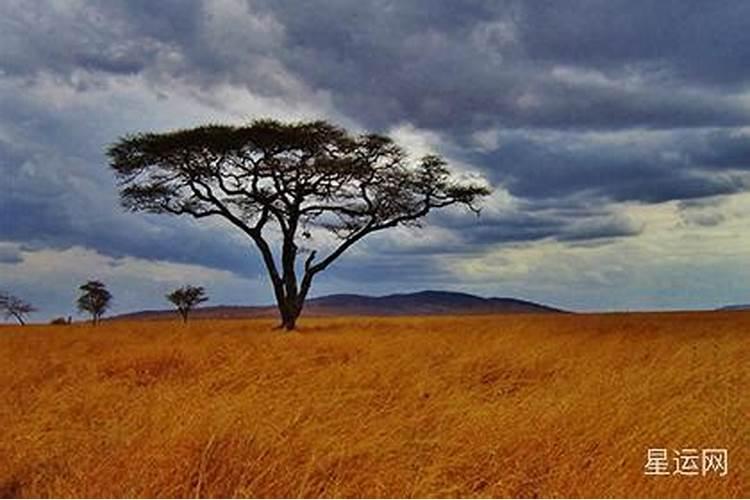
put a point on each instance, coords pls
(735, 307)
(406, 304)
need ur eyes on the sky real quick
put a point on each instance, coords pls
(615, 135)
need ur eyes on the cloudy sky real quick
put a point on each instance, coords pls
(616, 136)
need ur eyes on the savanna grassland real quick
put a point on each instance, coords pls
(521, 405)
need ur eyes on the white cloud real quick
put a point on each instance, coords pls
(664, 268)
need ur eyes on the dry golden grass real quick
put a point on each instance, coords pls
(524, 405)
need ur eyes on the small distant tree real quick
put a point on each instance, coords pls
(14, 307)
(186, 298)
(95, 299)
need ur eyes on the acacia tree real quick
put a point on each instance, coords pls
(95, 299)
(302, 179)
(15, 307)
(186, 298)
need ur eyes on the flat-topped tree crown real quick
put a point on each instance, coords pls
(186, 298)
(95, 299)
(295, 176)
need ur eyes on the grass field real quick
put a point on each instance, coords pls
(527, 405)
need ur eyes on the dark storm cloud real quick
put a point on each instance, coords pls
(695, 40)
(610, 227)
(591, 65)
(520, 227)
(48, 210)
(458, 66)
(723, 150)
(41, 37)
(510, 228)
(199, 43)
(525, 224)
(682, 165)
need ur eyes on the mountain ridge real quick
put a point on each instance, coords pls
(423, 303)
(735, 307)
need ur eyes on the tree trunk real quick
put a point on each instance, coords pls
(289, 312)
(291, 304)
(290, 323)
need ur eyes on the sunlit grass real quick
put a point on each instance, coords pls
(526, 405)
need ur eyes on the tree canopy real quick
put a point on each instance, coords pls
(95, 299)
(186, 298)
(15, 307)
